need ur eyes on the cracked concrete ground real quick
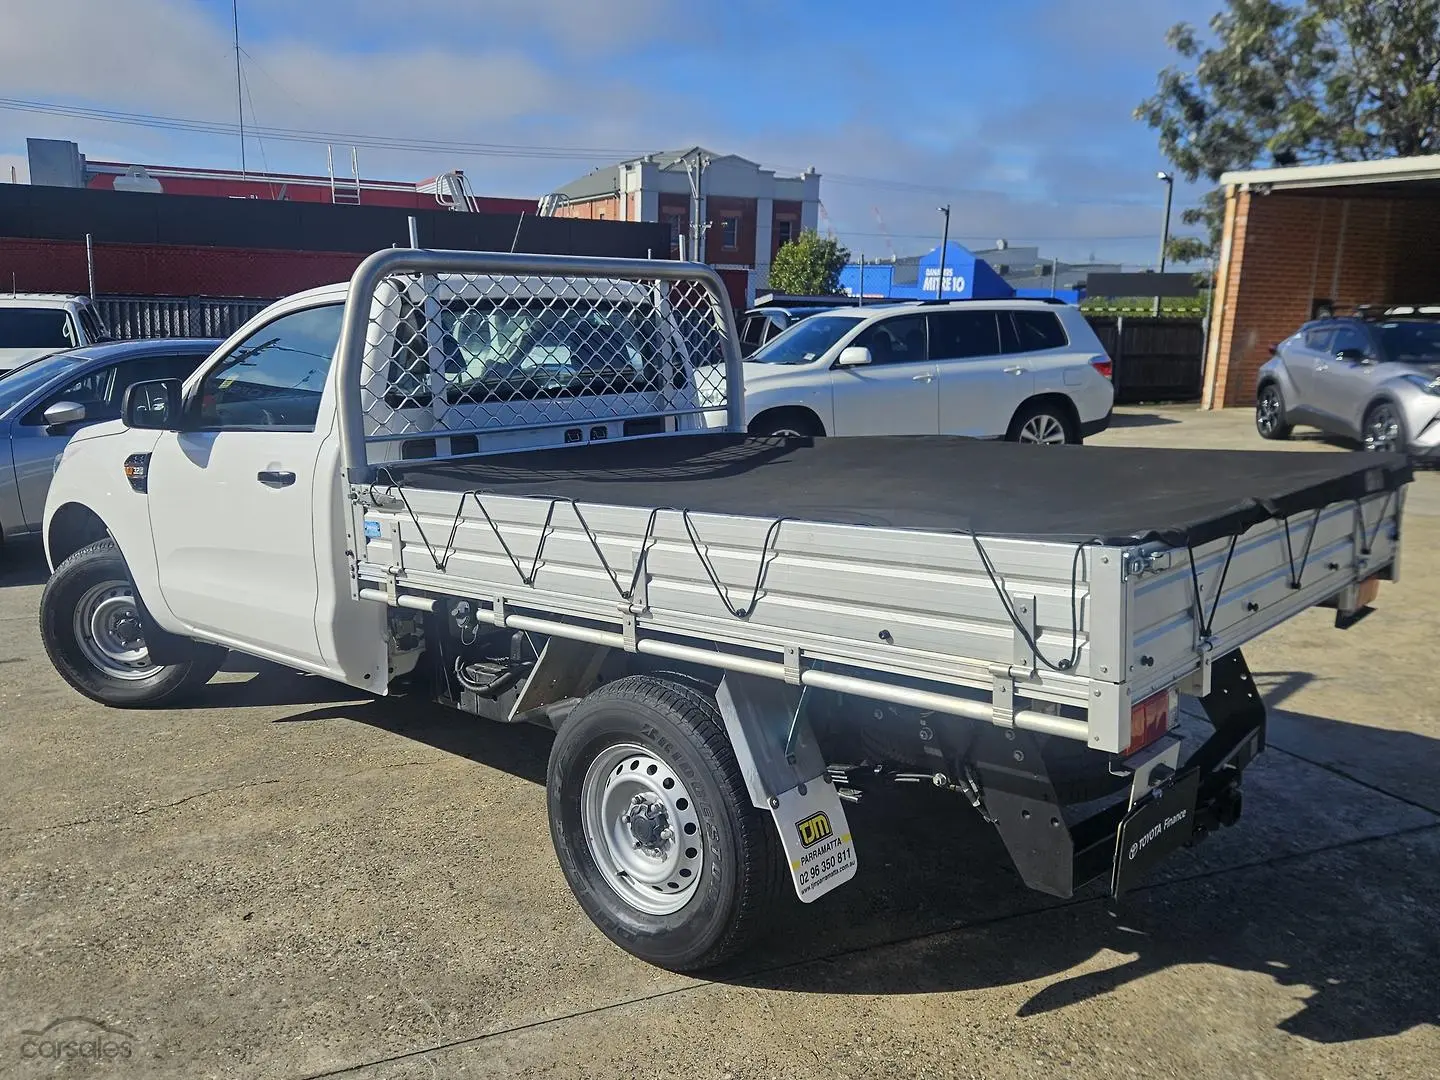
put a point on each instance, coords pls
(288, 881)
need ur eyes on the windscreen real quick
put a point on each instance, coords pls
(18, 383)
(807, 340)
(1411, 341)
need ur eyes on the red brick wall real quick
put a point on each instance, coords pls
(607, 207)
(784, 209)
(1289, 249)
(718, 207)
(168, 270)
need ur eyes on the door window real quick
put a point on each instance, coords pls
(959, 335)
(896, 341)
(102, 390)
(1349, 337)
(1317, 338)
(752, 337)
(276, 376)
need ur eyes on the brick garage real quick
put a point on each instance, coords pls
(1343, 235)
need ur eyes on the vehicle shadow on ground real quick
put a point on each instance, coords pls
(1141, 420)
(22, 562)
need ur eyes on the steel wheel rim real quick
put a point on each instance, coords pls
(107, 629)
(1267, 411)
(1042, 429)
(642, 829)
(1382, 433)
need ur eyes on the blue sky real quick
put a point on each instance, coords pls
(1018, 114)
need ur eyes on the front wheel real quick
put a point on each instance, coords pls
(1270, 419)
(90, 626)
(1383, 429)
(654, 828)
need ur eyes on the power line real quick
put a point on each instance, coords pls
(300, 135)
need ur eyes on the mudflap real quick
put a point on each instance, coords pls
(1056, 855)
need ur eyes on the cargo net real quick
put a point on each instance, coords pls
(582, 358)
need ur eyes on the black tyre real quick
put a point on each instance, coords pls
(90, 625)
(1383, 429)
(1270, 419)
(1044, 423)
(795, 423)
(654, 828)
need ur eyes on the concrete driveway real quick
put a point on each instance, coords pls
(287, 881)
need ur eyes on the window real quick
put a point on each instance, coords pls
(753, 333)
(1318, 337)
(806, 340)
(36, 328)
(895, 341)
(1350, 337)
(729, 233)
(102, 390)
(276, 376)
(90, 322)
(524, 351)
(677, 224)
(1038, 330)
(956, 335)
(784, 231)
(1410, 341)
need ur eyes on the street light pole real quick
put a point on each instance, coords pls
(944, 246)
(1169, 182)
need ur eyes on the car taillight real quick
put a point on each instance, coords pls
(1103, 365)
(1152, 718)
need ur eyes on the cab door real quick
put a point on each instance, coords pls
(980, 387)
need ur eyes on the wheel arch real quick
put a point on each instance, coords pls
(1063, 401)
(71, 527)
(779, 412)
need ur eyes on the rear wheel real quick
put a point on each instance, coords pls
(654, 828)
(1383, 430)
(1270, 413)
(1044, 423)
(90, 626)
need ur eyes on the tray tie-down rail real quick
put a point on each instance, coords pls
(768, 550)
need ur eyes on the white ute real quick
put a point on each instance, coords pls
(487, 480)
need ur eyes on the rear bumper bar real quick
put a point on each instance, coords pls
(1056, 853)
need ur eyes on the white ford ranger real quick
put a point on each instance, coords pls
(486, 480)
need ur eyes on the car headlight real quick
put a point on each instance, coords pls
(1429, 386)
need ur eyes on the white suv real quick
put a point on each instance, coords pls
(1024, 370)
(37, 324)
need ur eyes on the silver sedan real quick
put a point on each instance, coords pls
(45, 401)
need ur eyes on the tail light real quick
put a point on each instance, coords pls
(1103, 365)
(1152, 718)
(1274, 349)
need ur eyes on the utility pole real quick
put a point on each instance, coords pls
(239, 95)
(1169, 182)
(944, 246)
(695, 171)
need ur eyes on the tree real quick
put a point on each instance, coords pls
(1296, 84)
(808, 266)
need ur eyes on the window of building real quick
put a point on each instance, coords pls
(730, 233)
(784, 231)
(677, 223)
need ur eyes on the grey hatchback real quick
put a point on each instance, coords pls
(45, 401)
(1371, 378)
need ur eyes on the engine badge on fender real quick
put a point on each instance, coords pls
(816, 838)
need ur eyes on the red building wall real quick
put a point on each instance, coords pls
(168, 270)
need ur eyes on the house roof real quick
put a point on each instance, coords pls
(1385, 171)
(606, 180)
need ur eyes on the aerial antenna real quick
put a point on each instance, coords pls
(239, 96)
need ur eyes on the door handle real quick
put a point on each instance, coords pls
(275, 478)
(1014, 370)
(921, 378)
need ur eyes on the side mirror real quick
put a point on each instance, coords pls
(153, 405)
(854, 356)
(1353, 356)
(64, 412)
